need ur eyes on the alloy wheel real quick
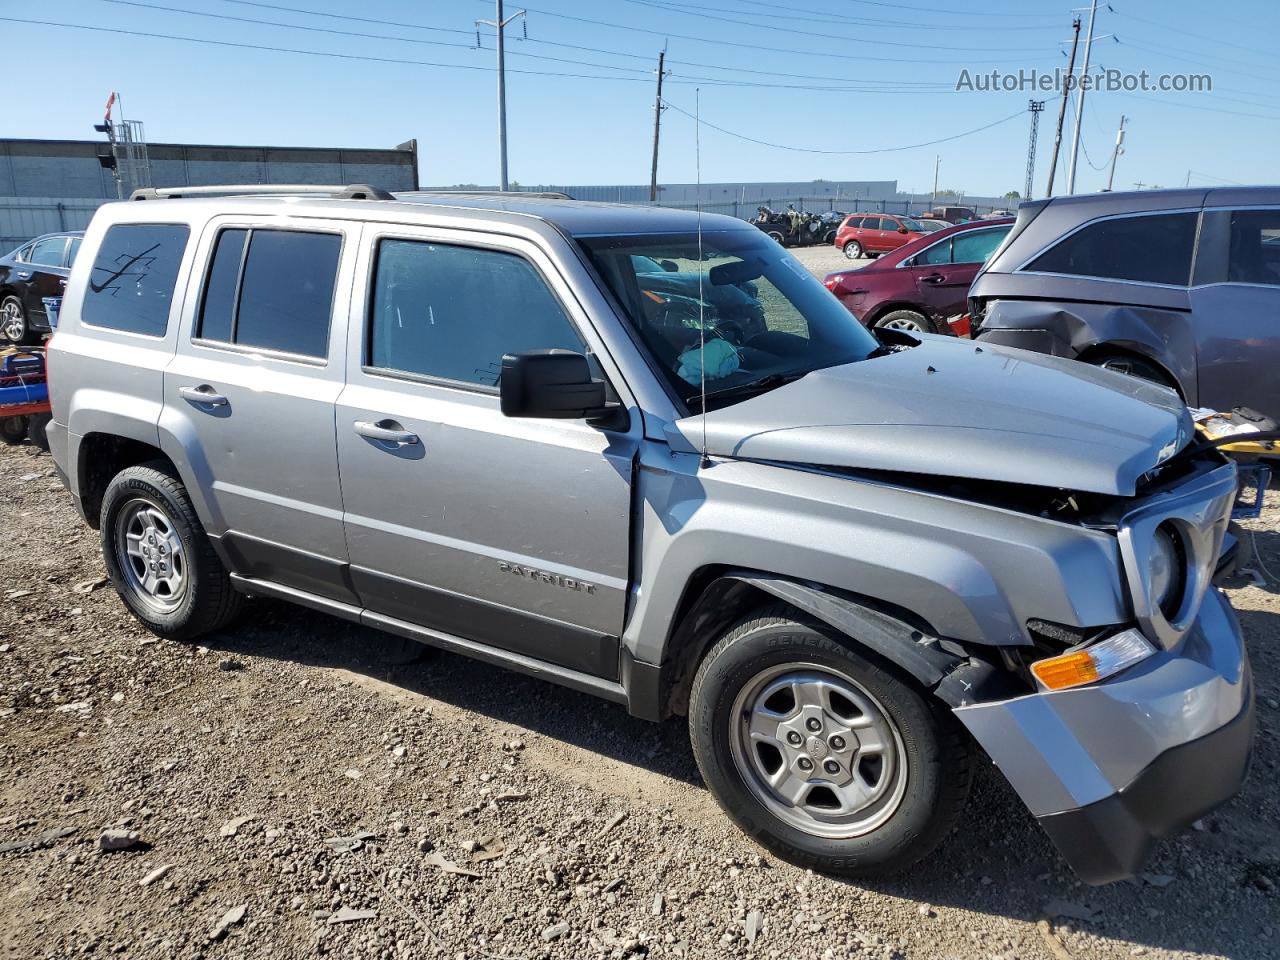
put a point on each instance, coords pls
(818, 750)
(903, 323)
(13, 325)
(151, 555)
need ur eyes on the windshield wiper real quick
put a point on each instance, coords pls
(768, 382)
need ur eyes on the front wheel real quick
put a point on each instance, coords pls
(908, 320)
(159, 558)
(13, 430)
(853, 250)
(827, 757)
(777, 237)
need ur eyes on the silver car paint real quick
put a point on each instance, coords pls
(999, 414)
(1067, 749)
(975, 572)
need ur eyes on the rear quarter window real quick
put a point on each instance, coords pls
(1152, 248)
(134, 271)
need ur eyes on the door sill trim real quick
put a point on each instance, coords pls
(566, 677)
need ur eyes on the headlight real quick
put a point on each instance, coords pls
(1167, 571)
(1094, 662)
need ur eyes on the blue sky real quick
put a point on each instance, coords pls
(884, 75)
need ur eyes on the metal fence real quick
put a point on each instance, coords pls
(746, 209)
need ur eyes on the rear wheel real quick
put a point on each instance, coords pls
(908, 320)
(1133, 366)
(777, 237)
(13, 322)
(159, 558)
(13, 430)
(37, 430)
(827, 757)
(853, 250)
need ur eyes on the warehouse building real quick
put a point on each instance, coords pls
(51, 185)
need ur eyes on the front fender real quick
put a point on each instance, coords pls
(971, 572)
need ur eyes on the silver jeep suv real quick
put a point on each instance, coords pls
(647, 455)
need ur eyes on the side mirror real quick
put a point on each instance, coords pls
(903, 230)
(551, 384)
(669, 265)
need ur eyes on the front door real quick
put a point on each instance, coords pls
(45, 276)
(1235, 304)
(249, 395)
(511, 532)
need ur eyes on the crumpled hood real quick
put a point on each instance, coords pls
(957, 409)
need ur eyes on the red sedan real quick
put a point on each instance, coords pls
(871, 234)
(922, 283)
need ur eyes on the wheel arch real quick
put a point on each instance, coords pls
(717, 597)
(1098, 352)
(101, 456)
(881, 310)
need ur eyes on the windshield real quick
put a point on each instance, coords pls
(763, 315)
(915, 226)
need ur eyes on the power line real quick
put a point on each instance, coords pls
(781, 146)
(672, 8)
(718, 81)
(771, 48)
(1269, 56)
(827, 17)
(614, 53)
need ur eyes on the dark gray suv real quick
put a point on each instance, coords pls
(1177, 286)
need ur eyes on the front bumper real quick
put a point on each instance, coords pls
(1108, 769)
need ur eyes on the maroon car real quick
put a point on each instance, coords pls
(922, 283)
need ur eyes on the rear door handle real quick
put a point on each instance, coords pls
(388, 431)
(202, 394)
(933, 278)
(25, 274)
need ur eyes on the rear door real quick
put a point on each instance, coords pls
(1235, 302)
(945, 271)
(511, 532)
(249, 396)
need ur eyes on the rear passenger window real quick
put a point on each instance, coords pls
(451, 312)
(1149, 249)
(1254, 247)
(938, 253)
(131, 284)
(271, 289)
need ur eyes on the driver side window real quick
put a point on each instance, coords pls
(450, 312)
(937, 254)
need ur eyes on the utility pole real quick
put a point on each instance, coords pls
(1115, 153)
(657, 127)
(1139, 184)
(1084, 73)
(933, 197)
(1035, 106)
(1062, 108)
(500, 25)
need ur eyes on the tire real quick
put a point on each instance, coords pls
(198, 597)
(13, 323)
(13, 430)
(37, 427)
(777, 237)
(853, 250)
(1134, 366)
(924, 769)
(908, 320)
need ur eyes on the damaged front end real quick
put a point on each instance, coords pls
(1130, 731)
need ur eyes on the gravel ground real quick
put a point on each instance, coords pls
(497, 816)
(824, 258)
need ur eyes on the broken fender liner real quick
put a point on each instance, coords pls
(909, 647)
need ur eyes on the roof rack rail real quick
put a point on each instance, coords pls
(536, 195)
(350, 191)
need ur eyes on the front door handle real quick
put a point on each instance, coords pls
(24, 274)
(933, 278)
(388, 431)
(202, 394)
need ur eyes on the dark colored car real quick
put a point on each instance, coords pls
(864, 234)
(921, 284)
(953, 214)
(36, 270)
(1177, 286)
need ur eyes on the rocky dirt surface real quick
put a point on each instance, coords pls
(824, 258)
(286, 791)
